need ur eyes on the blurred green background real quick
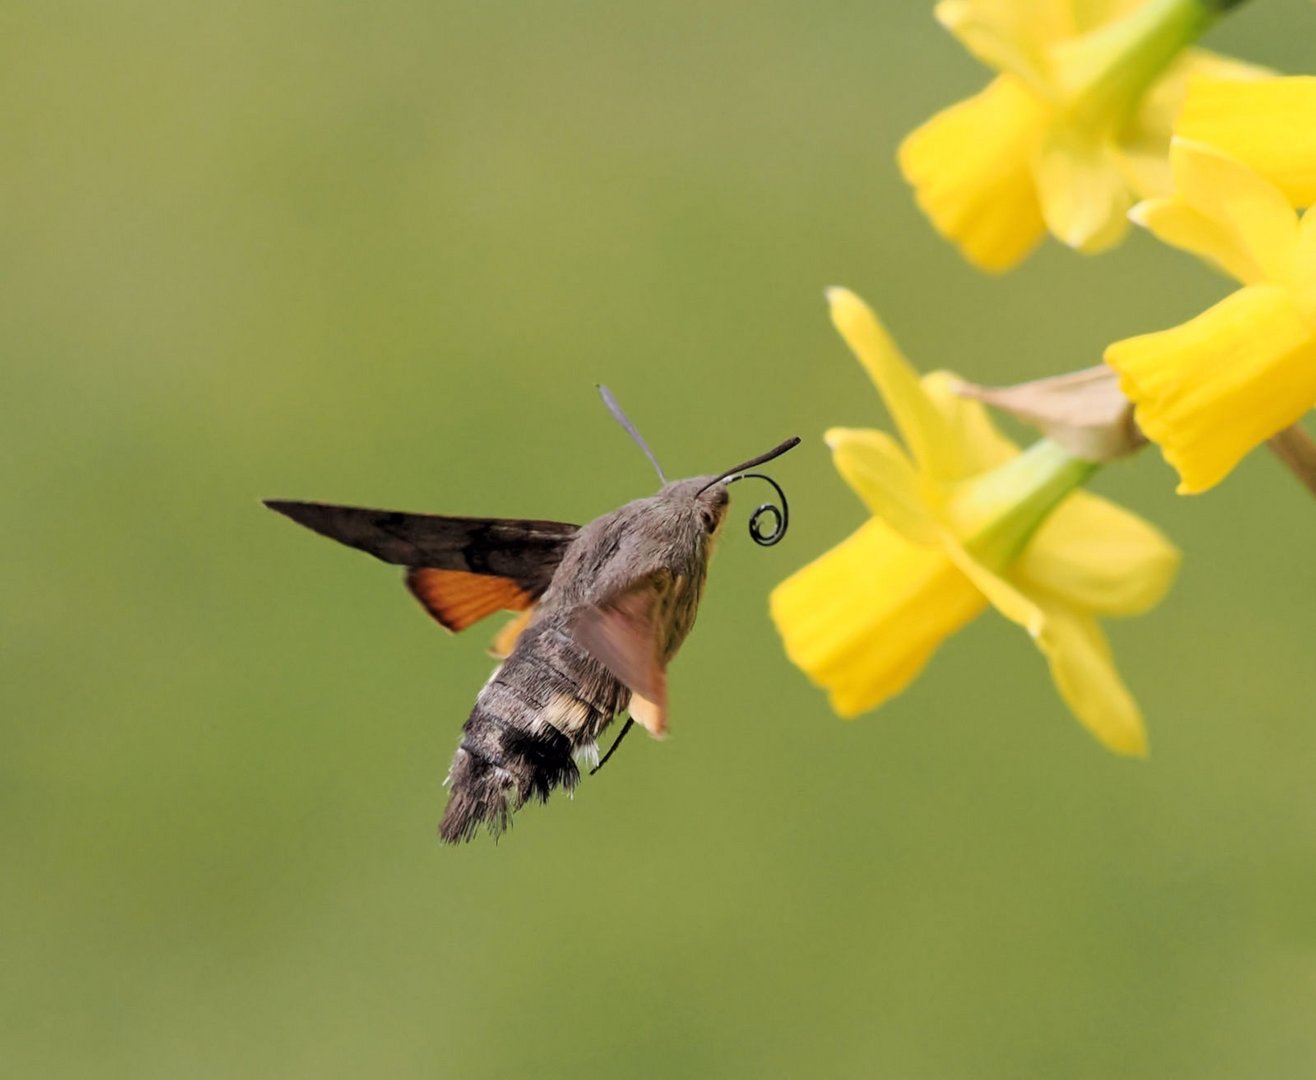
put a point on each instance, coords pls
(380, 254)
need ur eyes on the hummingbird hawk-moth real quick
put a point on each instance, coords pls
(601, 610)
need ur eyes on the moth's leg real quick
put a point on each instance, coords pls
(613, 748)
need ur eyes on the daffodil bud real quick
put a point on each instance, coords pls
(1084, 411)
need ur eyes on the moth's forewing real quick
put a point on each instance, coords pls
(460, 569)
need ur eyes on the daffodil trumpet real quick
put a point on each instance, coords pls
(1210, 390)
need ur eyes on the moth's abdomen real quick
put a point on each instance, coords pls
(497, 768)
(547, 701)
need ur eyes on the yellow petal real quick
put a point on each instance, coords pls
(1083, 190)
(1206, 64)
(1210, 390)
(1009, 35)
(1144, 142)
(1174, 222)
(1304, 267)
(981, 446)
(862, 620)
(969, 167)
(931, 439)
(1098, 557)
(1252, 214)
(875, 466)
(1084, 673)
(1270, 125)
(1090, 14)
(1003, 596)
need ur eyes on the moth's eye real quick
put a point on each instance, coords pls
(710, 521)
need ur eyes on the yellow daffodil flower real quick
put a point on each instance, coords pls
(1072, 130)
(1210, 390)
(962, 519)
(1268, 124)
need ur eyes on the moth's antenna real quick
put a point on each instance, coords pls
(621, 418)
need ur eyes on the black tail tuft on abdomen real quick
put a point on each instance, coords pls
(479, 796)
(547, 758)
(498, 768)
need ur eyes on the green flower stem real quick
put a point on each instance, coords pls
(1124, 58)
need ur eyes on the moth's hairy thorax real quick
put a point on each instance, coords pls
(667, 532)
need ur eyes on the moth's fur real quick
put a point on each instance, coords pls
(551, 699)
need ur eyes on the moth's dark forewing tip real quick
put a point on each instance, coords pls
(311, 515)
(286, 507)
